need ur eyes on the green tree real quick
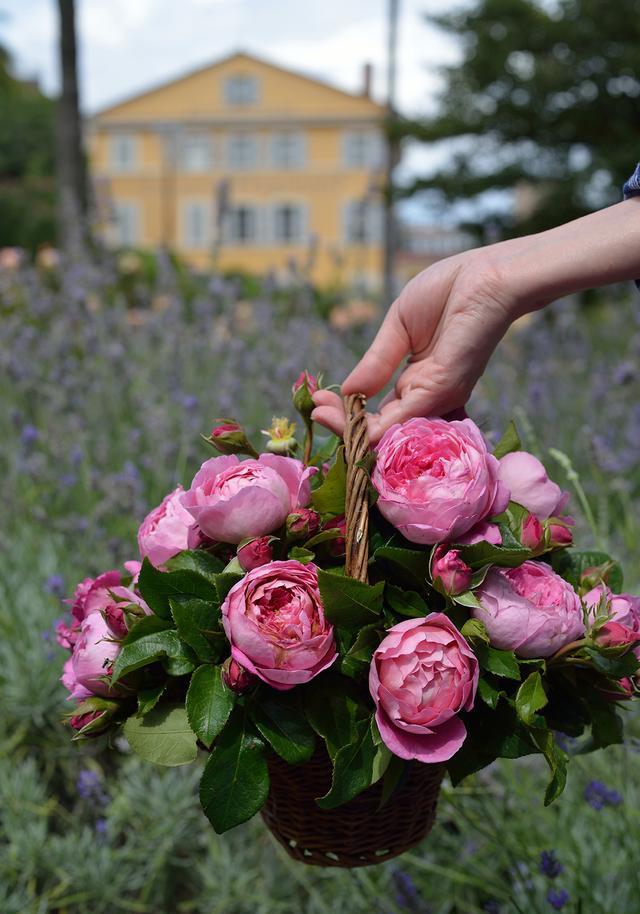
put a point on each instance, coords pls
(547, 98)
(26, 161)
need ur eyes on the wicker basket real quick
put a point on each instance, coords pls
(359, 833)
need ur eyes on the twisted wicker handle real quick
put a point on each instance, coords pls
(356, 445)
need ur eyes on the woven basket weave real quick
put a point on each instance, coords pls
(359, 833)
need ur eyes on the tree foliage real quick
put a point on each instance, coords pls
(547, 97)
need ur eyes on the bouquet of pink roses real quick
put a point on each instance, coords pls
(479, 633)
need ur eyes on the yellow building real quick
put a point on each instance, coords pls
(246, 165)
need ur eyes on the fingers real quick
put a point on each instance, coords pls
(382, 358)
(329, 411)
(418, 401)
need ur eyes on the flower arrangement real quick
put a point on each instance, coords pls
(479, 633)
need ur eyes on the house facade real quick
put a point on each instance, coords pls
(245, 165)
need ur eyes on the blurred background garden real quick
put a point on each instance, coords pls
(182, 255)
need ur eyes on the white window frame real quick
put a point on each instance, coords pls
(126, 223)
(243, 162)
(280, 238)
(362, 148)
(369, 216)
(241, 89)
(232, 236)
(288, 149)
(200, 238)
(202, 145)
(118, 143)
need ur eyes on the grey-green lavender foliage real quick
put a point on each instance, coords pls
(98, 418)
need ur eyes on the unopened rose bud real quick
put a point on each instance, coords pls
(92, 716)
(80, 721)
(255, 553)
(228, 437)
(449, 568)
(613, 634)
(236, 677)
(303, 523)
(116, 620)
(532, 533)
(302, 391)
(559, 535)
(281, 436)
(338, 546)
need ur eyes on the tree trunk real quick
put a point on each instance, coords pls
(71, 168)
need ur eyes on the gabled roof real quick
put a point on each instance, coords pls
(138, 106)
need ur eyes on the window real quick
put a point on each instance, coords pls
(196, 153)
(123, 152)
(125, 224)
(287, 149)
(288, 223)
(242, 225)
(241, 90)
(242, 151)
(362, 149)
(196, 224)
(362, 222)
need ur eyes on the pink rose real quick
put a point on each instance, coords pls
(454, 573)
(91, 593)
(532, 533)
(255, 553)
(303, 523)
(275, 622)
(560, 535)
(527, 480)
(623, 609)
(305, 377)
(530, 610)
(231, 500)
(92, 658)
(421, 676)
(236, 677)
(165, 531)
(436, 479)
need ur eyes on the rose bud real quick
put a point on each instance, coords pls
(338, 546)
(613, 634)
(92, 716)
(236, 677)
(116, 621)
(281, 435)
(80, 721)
(559, 535)
(436, 480)
(303, 523)
(453, 573)
(621, 613)
(255, 553)
(532, 533)
(228, 437)
(530, 610)
(302, 391)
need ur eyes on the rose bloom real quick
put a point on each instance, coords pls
(98, 597)
(231, 500)
(92, 658)
(275, 622)
(530, 610)
(436, 480)
(421, 676)
(91, 593)
(527, 480)
(165, 531)
(623, 626)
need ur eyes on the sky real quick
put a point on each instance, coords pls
(128, 45)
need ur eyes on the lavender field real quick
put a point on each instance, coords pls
(106, 384)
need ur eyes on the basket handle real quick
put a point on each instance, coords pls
(356, 445)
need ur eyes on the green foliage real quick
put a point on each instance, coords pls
(509, 442)
(349, 603)
(209, 703)
(356, 766)
(571, 565)
(149, 649)
(163, 736)
(329, 497)
(282, 722)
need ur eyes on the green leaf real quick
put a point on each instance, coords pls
(205, 564)
(147, 625)
(474, 630)
(162, 736)
(530, 698)
(329, 498)
(149, 698)
(483, 553)
(196, 619)
(333, 707)
(502, 663)
(491, 734)
(488, 693)
(412, 564)
(156, 587)
(149, 649)
(224, 582)
(326, 450)
(571, 565)
(283, 724)
(396, 769)
(300, 554)
(355, 767)
(509, 442)
(235, 781)
(182, 665)
(209, 703)
(611, 666)
(348, 602)
(556, 759)
(405, 602)
(468, 598)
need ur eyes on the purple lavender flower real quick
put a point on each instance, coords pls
(491, 906)
(549, 865)
(598, 795)
(89, 787)
(55, 585)
(29, 435)
(407, 896)
(557, 898)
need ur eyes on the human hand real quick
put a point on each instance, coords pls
(448, 320)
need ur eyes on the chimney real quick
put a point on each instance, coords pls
(367, 76)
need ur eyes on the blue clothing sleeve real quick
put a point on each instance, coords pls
(632, 186)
